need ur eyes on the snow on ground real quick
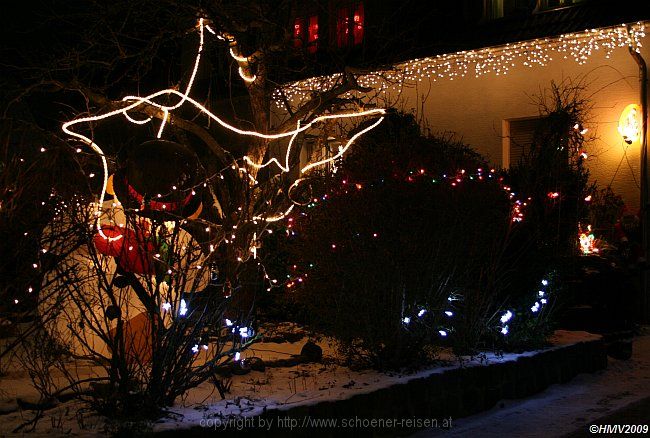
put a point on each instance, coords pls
(282, 388)
(274, 388)
(562, 409)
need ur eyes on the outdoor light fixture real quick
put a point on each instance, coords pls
(629, 124)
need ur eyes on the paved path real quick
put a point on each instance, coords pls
(618, 395)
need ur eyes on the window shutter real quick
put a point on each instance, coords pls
(522, 133)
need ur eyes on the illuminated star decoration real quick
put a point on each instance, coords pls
(137, 101)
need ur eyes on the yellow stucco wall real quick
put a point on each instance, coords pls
(474, 109)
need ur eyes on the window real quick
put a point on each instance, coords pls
(493, 9)
(518, 135)
(350, 25)
(305, 33)
(343, 27)
(357, 23)
(554, 4)
(314, 150)
(298, 32)
(312, 34)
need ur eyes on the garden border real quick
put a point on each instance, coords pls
(449, 393)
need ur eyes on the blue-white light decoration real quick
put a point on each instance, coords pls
(535, 307)
(420, 318)
(507, 316)
(541, 294)
(183, 309)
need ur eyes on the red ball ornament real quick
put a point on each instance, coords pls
(134, 250)
(109, 245)
(138, 259)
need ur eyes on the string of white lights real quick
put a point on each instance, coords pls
(499, 60)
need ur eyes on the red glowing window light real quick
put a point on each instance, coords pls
(358, 24)
(312, 37)
(350, 25)
(298, 32)
(343, 27)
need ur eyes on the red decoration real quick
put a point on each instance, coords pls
(312, 34)
(298, 30)
(134, 251)
(171, 184)
(357, 31)
(170, 207)
(107, 246)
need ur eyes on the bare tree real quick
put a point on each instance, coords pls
(156, 259)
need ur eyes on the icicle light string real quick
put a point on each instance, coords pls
(499, 60)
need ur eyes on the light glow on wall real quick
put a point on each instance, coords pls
(629, 124)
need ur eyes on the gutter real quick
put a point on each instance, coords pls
(645, 244)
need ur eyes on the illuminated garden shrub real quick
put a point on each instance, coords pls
(399, 255)
(416, 243)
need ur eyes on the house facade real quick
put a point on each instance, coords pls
(487, 66)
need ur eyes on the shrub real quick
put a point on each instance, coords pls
(403, 250)
(552, 177)
(413, 243)
(605, 208)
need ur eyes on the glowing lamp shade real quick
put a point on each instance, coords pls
(629, 124)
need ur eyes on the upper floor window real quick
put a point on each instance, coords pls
(305, 33)
(553, 4)
(493, 9)
(350, 25)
